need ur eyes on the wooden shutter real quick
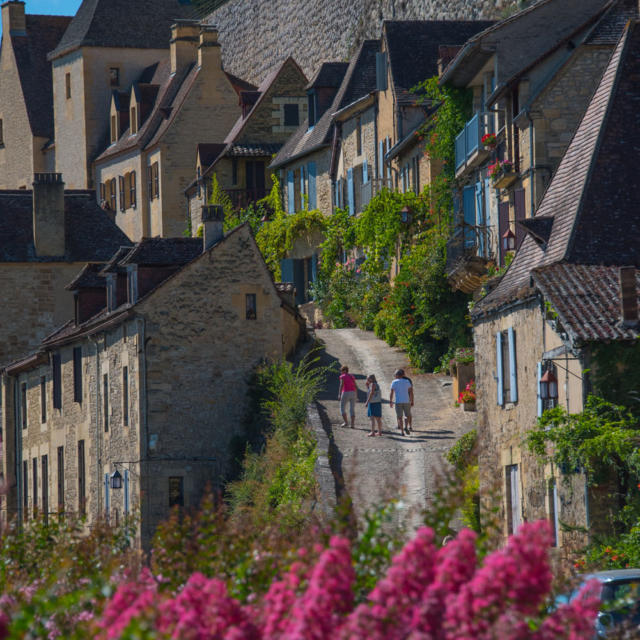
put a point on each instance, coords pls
(520, 214)
(469, 212)
(132, 178)
(121, 191)
(150, 182)
(513, 387)
(126, 492)
(480, 219)
(381, 71)
(503, 225)
(499, 371)
(539, 377)
(303, 189)
(381, 159)
(311, 172)
(127, 190)
(113, 197)
(365, 172)
(291, 205)
(351, 193)
(286, 267)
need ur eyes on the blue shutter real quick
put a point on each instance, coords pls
(286, 267)
(539, 376)
(291, 205)
(480, 219)
(387, 147)
(311, 173)
(487, 213)
(381, 159)
(469, 209)
(126, 491)
(499, 372)
(107, 506)
(512, 366)
(302, 185)
(351, 193)
(365, 172)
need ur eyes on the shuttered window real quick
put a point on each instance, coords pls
(57, 381)
(513, 498)
(150, 182)
(132, 189)
(291, 205)
(156, 180)
(351, 195)
(112, 195)
(503, 225)
(311, 172)
(121, 190)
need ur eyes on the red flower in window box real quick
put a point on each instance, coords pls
(489, 140)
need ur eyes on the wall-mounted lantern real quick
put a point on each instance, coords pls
(549, 386)
(115, 480)
(508, 241)
(405, 215)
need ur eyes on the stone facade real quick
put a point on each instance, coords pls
(162, 392)
(322, 159)
(255, 37)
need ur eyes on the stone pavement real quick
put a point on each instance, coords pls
(376, 469)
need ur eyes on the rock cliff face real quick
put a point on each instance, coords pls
(257, 34)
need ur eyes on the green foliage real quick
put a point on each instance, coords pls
(463, 457)
(464, 454)
(615, 373)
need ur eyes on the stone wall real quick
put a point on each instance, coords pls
(257, 34)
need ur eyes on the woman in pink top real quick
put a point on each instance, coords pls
(348, 393)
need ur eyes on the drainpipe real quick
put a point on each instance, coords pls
(532, 170)
(98, 434)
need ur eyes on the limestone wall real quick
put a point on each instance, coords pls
(257, 34)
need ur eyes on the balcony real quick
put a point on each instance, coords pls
(469, 149)
(468, 257)
(242, 198)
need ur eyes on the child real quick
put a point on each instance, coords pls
(374, 405)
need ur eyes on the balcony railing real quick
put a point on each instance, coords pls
(469, 140)
(242, 198)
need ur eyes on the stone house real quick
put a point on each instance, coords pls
(105, 48)
(173, 103)
(570, 294)
(269, 116)
(146, 385)
(46, 235)
(532, 76)
(26, 94)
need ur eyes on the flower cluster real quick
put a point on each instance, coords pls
(498, 169)
(426, 593)
(489, 140)
(468, 394)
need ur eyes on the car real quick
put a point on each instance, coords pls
(619, 614)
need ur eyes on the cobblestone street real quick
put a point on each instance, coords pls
(375, 469)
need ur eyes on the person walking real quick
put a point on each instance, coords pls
(402, 390)
(348, 394)
(374, 405)
(408, 427)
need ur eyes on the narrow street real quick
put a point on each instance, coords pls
(377, 469)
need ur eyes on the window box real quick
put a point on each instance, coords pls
(469, 406)
(505, 180)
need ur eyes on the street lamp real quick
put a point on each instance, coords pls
(405, 215)
(508, 240)
(115, 480)
(548, 386)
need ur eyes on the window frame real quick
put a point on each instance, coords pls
(125, 396)
(56, 365)
(105, 401)
(114, 78)
(132, 190)
(23, 404)
(43, 399)
(113, 201)
(82, 479)
(288, 111)
(67, 85)
(250, 306)
(60, 457)
(77, 375)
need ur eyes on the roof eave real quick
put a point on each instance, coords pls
(297, 156)
(355, 107)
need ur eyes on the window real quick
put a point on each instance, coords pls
(199, 181)
(60, 479)
(132, 282)
(291, 115)
(112, 195)
(45, 488)
(25, 489)
(114, 129)
(105, 401)
(57, 381)
(121, 190)
(77, 374)
(234, 170)
(125, 396)
(134, 120)
(35, 487)
(311, 109)
(513, 498)
(507, 386)
(23, 404)
(150, 182)
(127, 190)
(554, 511)
(82, 480)
(111, 292)
(358, 135)
(132, 189)
(251, 306)
(67, 84)
(176, 491)
(43, 399)
(156, 180)
(114, 76)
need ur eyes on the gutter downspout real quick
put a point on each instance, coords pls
(532, 168)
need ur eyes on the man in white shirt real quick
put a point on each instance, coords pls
(402, 389)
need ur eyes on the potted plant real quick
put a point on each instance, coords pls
(467, 397)
(489, 141)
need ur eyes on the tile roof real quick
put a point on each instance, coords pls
(328, 76)
(209, 152)
(113, 266)
(611, 25)
(89, 278)
(90, 234)
(261, 150)
(163, 251)
(586, 299)
(522, 38)
(593, 198)
(42, 34)
(414, 48)
(143, 24)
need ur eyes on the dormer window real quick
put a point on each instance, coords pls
(132, 283)
(311, 97)
(134, 120)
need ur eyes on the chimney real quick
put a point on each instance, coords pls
(209, 54)
(212, 223)
(628, 296)
(48, 214)
(183, 44)
(13, 19)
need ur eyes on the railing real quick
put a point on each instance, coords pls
(469, 140)
(241, 198)
(468, 241)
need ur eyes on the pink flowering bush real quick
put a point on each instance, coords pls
(426, 594)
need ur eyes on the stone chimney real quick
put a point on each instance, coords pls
(48, 214)
(209, 51)
(628, 296)
(212, 224)
(184, 43)
(13, 18)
